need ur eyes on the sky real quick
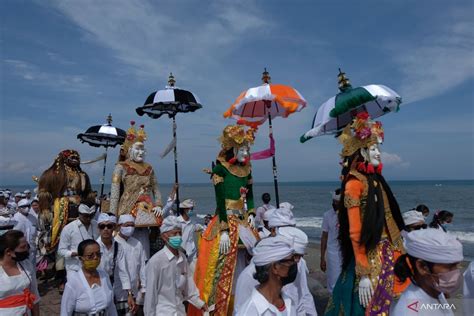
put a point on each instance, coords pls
(65, 65)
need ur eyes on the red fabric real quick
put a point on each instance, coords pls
(26, 298)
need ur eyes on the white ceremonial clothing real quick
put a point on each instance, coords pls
(107, 264)
(468, 290)
(71, 236)
(333, 254)
(257, 305)
(264, 233)
(135, 259)
(169, 284)
(14, 285)
(29, 226)
(259, 213)
(414, 301)
(187, 234)
(297, 291)
(142, 234)
(80, 297)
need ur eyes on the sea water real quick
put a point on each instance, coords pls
(312, 199)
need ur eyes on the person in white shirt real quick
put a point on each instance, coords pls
(169, 281)
(35, 209)
(298, 290)
(261, 210)
(88, 291)
(432, 264)
(27, 224)
(135, 260)
(330, 244)
(113, 261)
(73, 233)
(275, 267)
(188, 229)
(414, 220)
(27, 194)
(18, 286)
(468, 290)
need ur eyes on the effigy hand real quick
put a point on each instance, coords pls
(365, 291)
(158, 211)
(224, 243)
(251, 220)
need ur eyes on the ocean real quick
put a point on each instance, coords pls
(312, 199)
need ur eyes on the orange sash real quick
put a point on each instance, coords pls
(26, 298)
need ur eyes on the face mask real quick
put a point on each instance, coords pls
(175, 241)
(292, 273)
(91, 264)
(20, 256)
(23, 210)
(449, 281)
(190, 213)
(127, 231)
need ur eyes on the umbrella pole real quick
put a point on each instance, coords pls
(275, 175)
(175, 151)
(103, 174)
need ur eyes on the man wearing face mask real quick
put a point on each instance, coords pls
(27, 224)
(275, 267)
(169, 281)
(432, 264)
(188, 229)
(73, 233)
(298, 290)
(135, 259)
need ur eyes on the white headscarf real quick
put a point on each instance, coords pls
(104, 217)
(412, 217)
(188, 203)
(125, 218)
(300, 239)
(282, 216)
(272, 249)
(84, 209)
(170, 223)
(433, 245)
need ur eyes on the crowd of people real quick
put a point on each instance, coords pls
(110, 273)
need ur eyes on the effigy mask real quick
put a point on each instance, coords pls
(137, 152)
(242, 154)
(372, 155)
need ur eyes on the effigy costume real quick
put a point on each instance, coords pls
(216, 271)
(369, 251)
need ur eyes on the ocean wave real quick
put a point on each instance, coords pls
(312, 221)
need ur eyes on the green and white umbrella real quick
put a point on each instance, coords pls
(340, 110)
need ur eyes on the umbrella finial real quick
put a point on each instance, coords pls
(266, 76)
(171, 80)
(344, 83)
(109, 119)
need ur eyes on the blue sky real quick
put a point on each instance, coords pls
(65, 65)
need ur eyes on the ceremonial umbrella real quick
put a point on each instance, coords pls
(106, 136)
(340, 110)
(170, 101)
(268, 101)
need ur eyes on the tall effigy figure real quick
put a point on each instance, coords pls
(222, 252)
(61, 188)
(370, 224)
(134, 187)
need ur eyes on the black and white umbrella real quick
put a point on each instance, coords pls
(170, 101)
(105, 136)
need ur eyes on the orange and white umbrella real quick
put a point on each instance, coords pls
(256, 104)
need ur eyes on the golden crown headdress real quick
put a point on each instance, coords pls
(134, 136)
(236, 136)
(362, 133)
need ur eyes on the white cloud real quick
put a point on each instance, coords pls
(54, 81)
(438, 62)
(389, 159)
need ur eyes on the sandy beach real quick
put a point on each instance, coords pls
(51, 299)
